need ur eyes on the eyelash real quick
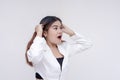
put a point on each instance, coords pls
(61, 27)
(57, 28)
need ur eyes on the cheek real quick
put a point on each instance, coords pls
(51, 35)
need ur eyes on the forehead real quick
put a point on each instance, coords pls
(58, 23)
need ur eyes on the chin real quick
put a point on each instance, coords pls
(59, 42)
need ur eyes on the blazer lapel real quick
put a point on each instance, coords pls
(64, 53)
(53, 58)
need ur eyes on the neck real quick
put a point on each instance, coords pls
(51, 45)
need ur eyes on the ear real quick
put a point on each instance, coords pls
(45, 33)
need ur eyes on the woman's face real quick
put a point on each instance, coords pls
(54, 33)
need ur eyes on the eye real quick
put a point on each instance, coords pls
(61, 27)
(55, 28)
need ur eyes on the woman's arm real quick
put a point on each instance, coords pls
(35, 52)
(77, 43)
(68, 31)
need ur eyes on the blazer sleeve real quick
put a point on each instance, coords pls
(77, 44)
(35, 53)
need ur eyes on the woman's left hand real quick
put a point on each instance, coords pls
(68, 30)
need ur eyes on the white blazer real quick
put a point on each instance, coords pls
(45, 63)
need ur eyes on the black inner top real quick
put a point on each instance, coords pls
(60, 61)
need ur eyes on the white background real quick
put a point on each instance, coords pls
(98, 20)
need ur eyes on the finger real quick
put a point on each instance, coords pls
(40, 25)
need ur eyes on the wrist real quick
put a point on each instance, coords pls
(39, 34)
(71, 33)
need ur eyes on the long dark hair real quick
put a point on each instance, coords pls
(46, 22)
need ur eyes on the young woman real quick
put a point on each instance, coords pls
(48, 53)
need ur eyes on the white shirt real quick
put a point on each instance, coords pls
(45, 63)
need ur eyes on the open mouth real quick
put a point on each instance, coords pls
(59, 37)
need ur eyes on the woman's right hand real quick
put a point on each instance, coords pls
(39, 30)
